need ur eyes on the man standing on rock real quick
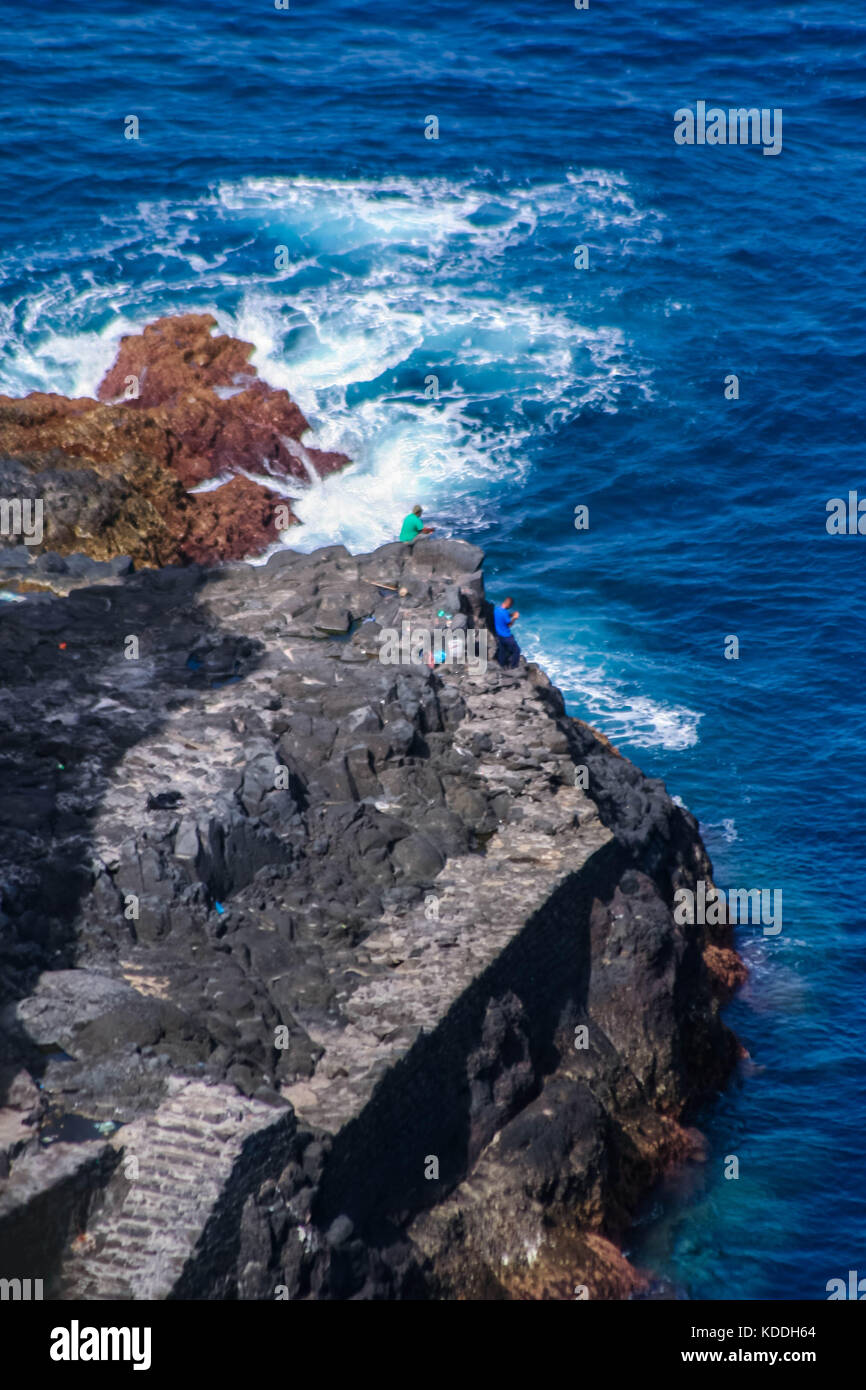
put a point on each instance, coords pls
(413, 527)
(507, 650)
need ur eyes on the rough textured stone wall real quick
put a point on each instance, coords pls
(459, 1083)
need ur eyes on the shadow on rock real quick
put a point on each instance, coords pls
(85, 678)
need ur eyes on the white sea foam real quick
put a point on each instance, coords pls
(389, 282)
(608, 702)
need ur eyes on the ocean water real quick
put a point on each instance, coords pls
(411, 259)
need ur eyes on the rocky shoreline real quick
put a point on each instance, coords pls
(321, 975)
(423, 901)
(180, 407)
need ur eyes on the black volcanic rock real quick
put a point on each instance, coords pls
(322, 920)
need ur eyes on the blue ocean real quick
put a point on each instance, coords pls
(429, 312)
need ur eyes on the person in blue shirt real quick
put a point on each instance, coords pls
(507, 650)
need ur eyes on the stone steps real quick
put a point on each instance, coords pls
(148, 1225)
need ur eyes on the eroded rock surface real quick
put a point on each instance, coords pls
(112, 476)
(202, 388)
(371, 900)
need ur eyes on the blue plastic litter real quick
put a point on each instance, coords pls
(219, 907)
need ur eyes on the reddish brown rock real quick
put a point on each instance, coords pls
(113, 473)
(44, 424)
(104, 474)
(603, 1270)
(174, 355)
(231, 522)
(727, 969)
(109, 486)
(203, 389)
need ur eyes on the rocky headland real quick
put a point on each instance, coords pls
(321, 976)
(317, 934)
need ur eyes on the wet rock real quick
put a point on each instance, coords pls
(179, 407)
(232, 521)
(203, 389)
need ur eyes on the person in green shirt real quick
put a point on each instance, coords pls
(413, 527)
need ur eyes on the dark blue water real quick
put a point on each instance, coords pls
(410, 259)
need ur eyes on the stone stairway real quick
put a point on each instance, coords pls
(205, 1149)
